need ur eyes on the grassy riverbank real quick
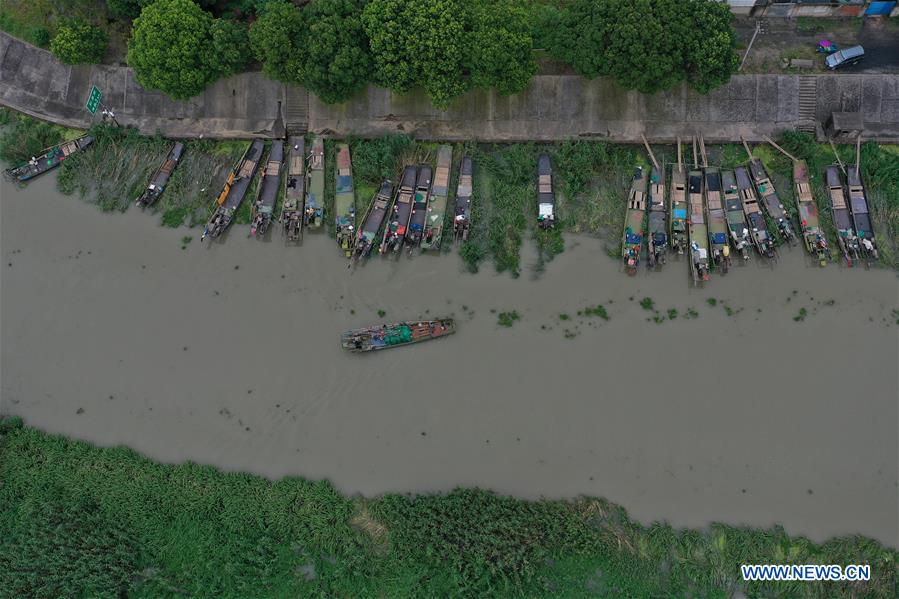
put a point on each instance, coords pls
(76, 520)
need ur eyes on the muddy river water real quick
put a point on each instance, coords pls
(227, 355)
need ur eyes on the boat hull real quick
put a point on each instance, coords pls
(388, 336)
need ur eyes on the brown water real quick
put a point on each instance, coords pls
(228, 355)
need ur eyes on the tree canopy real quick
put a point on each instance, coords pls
(78, 43)
(178, 48)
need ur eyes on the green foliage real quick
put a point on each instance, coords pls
(499, 47)
(375, 160)
(647, 303)
(79, 42)
(272, 39)
(27, 137)
(507, 319)
(599, 310)
(125, 10)
(178, 48)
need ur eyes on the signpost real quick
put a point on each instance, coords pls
(93, 101)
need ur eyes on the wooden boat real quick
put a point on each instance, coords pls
(718, 244)
(809, 223)
(371, 223)
(416, 228)
(861, 217)
(462, 209)
(632, 241)
(842, 218)
(698, 229)
(398, 222)
(344, 201)
(161, 177)
(773, 205)
(437, 202)
(758, 226)
(658, 218)
(229, 200)
(395, 335)
(48, 160)
(267, 192)
(736, 220)
(314, 211)
(679, 209)
(546, 197)
(294, 205)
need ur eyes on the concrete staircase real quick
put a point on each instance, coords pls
(297, 109)
(808, 102)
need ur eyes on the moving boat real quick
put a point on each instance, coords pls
(699, 231)
(291, 218)
(758, 226)
(736, 220)
(314, 212)
(229, 200)
(842, 218)
(267, 193)
(462, 210)
(161, 177)
(546, 197)
(771, 200)
(720, 249)
(632, 243)
(344, 201)
(858, 203)
(658, 218)
(371, 223)
(419, 214)
(437, 202)
(678, 209)
(394, 335)
(809, 223)
(50, 159)
(395, 232)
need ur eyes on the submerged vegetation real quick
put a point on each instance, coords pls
(79, 521)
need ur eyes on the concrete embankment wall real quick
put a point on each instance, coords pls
(553, 107)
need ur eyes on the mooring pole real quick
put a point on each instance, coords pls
(787, 154)
(749, 47)
(840, 162)
(705, 160)
(651, 155)
(746, 145)
(858, 154)
(695, 156)
(680, 160)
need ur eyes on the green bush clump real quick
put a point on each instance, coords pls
(79, 42)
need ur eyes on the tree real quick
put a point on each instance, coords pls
(275, 38)
(79, 42)
(499, 48)
(179, 48)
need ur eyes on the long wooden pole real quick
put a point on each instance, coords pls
(651, 155)
(840, 162)
(680, 159)
(787, 154)
(746, 145)
(695, 157)
(705, 160)
(858, 153)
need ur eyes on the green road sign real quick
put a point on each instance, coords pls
(93, 101)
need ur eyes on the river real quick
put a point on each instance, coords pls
(228, 354)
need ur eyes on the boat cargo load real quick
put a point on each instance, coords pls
(842, 219)
(236, 186)
(699, 230)
(546, 198)
(371, 223)
(415, 231)
(398, 221)
(462, 210)
(48, 160)
(809, 224)
(632, 242)
(861, 217)
(292, 210)
(386, 336)
(658, 218)
(313, 215)
(771, 200)
(678, 209)
(736, 220)
(161, 177)
(437, 201)
(344, 201)
(758, 226)
(267, 193)
(718, 242)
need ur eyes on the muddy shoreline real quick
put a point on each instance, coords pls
(227, 354)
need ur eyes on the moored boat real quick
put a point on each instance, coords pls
(718, 244)
(736, 220)
(632, 241)
(161, 177)
(809, 223)
(48, 160)
(698, 229)
(314, 212)
(292, 209)
(842, 218)
(267, 193)
(395, 335)
(398, 221)
(236, 185)
(437, 202)
(371, 223)
(344, 201)
(758, 226)
(416, 228)
(462, 209)
(772, 202)
(678, 209)
(546, 197)
(861, 217)
(658, 218)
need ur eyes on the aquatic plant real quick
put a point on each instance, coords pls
(691, 313)
(599, 310)
(711, 301)
(564, 316)
(507, 319)
(801, 315)
(647, 303)
(672, 313)
(382, 313)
